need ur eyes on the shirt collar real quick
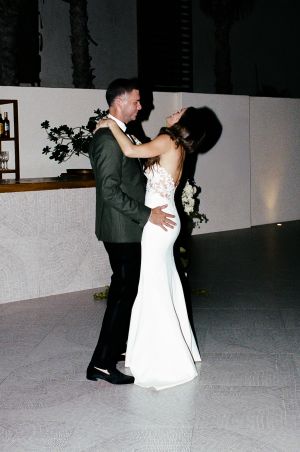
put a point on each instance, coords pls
(120, 123)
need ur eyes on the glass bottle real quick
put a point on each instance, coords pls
(1, 126)
(6, 122)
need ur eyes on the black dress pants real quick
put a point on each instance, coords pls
(125, 261)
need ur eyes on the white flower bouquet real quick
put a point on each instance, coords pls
(191, 203)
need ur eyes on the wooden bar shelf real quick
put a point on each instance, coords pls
(14, 126)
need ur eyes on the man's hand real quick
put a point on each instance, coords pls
(162, 219)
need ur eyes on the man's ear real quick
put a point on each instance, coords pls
(119, 101)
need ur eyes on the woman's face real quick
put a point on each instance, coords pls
(171, 120)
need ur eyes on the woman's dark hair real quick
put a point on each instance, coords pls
(188, 132)
(120, 86)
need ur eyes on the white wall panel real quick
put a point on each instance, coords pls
(224, 171)
(275, 160)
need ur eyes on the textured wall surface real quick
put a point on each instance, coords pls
(48, 245)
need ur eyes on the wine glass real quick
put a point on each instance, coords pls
(1, 161)
(5, 158)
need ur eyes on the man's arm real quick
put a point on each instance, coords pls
(107, 163)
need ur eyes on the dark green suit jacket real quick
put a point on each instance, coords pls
(120, 191)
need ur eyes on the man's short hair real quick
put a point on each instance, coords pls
(120, 86)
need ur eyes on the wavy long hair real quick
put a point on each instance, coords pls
(187, 133)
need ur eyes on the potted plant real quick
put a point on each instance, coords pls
(68, 141)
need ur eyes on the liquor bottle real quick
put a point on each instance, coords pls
(1, 126)
(6, 122)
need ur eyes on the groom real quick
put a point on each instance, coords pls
(120, 217)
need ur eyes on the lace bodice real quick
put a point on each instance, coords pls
(159, 181)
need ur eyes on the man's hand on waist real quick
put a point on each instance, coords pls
(162, 219)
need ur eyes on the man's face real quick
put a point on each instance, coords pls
(130, 105)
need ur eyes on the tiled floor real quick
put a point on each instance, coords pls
(247, 395)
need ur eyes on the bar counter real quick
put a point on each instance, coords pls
(50, 183)
(48, 243)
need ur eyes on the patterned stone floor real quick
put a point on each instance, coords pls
(247, 395)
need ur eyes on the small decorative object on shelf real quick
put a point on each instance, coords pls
(4, 157)
(9, 138)
(77, 173)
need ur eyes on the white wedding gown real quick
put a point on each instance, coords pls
(161, 348)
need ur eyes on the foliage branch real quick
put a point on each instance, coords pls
(67, 141)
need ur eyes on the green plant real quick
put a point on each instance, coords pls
(68, 141)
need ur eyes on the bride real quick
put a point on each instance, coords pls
(161, 348)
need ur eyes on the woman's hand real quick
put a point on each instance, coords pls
(104, 123)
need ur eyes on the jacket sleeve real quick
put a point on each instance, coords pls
(107, 159)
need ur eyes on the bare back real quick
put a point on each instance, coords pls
(172, 160)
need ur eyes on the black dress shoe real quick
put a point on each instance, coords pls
(114, 376)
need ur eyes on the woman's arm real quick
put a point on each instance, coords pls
(160, 145)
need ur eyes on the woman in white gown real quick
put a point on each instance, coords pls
(161, 348)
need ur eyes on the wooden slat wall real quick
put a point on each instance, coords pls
(165, 51)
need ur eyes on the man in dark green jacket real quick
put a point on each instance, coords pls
(120, 217)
